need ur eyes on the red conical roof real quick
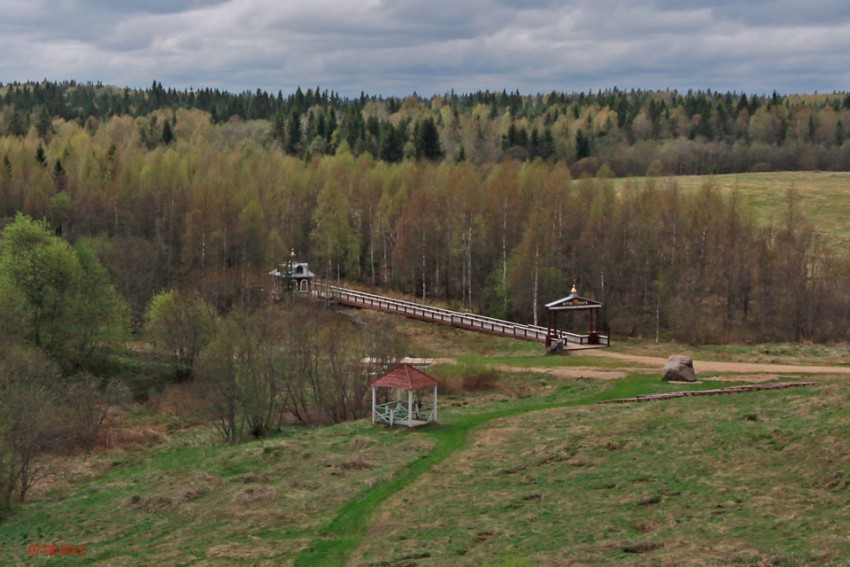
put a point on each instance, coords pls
(406, 377)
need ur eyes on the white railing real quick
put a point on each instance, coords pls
(397, 411)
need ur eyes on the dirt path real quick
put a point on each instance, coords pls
(732, 367)
(568, 371)
(756, 371)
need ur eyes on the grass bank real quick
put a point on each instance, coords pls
(751, 479)
(345, 533)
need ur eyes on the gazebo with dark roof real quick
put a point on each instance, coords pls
(404, 377)
(290, 276)
(574, 302)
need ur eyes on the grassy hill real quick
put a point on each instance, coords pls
(525, 469)
(824, 197)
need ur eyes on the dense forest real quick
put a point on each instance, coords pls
(494, 202)
(630, 131)
(211, 208)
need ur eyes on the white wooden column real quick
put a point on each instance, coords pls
(435, 402)
(410, 408)
(373, 405)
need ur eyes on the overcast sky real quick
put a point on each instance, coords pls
(396, 47)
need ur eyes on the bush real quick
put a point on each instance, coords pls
(462, 379)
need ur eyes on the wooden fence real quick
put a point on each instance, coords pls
(469, 321)
(714, 392)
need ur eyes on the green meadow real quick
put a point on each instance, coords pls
(823, 197)
(525, 468)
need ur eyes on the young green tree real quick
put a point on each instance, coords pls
(334, 239)
(70, 309)
(242, 372)
(98, 304)
(180, 324)
(216, 369)
(27, 409)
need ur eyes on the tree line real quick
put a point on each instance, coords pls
(254, 367)
(217, 209)
(697, 132)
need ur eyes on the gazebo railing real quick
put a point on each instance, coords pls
(398, 411)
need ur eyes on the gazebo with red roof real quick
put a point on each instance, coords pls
(404, 377)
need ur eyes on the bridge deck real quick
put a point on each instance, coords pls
(469, 321)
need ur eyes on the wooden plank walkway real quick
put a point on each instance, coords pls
(468, 321)
(714, 392)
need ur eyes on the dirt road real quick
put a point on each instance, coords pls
(755, 371)
(731, 367)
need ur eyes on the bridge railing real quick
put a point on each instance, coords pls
(470, 321)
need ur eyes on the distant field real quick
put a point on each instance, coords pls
(824, 197)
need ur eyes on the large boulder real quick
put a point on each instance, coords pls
(679, 368)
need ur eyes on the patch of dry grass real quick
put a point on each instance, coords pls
(213, 503)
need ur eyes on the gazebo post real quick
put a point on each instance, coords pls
(435, 402)
(373, 405)
(410, 408)
(574, 302)
(551, 324)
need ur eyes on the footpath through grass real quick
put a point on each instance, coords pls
(341, 537)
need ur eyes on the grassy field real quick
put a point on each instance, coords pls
(749, 480)
(824, 197)
(524, 469)
(771, 353)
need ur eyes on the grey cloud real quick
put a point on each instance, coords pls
(768, 13)
(142, 6)
(398, 46)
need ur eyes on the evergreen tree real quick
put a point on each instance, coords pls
(40, 157)
(534, 144)
(582, 145)
(427, 140)
(44, 124)
(293, 134)
(167, 133)
(59, 176)
(461, 154)
(391, 143)
(547, 144)
(278, 129)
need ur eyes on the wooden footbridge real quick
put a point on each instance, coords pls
(468, 321)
